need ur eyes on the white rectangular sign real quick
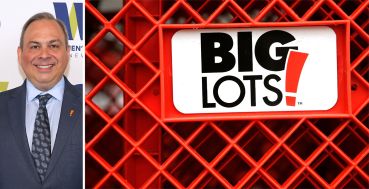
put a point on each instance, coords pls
(254, 69)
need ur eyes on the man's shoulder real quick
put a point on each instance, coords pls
(79, 88)
(9, 93)
(75, 90)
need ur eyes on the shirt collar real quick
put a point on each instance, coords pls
(57, 91)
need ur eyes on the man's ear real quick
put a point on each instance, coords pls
(68, 53)
(19, 52)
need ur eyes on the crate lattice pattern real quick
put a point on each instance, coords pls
(129, 146)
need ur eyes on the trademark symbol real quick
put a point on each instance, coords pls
(299, 103)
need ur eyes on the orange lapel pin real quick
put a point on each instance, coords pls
(71, 112)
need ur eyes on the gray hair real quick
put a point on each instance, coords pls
(43, 16)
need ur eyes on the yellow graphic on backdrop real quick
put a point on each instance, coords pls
(3, 85)
(73, 21)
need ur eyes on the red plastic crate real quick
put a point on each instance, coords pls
(129, 145)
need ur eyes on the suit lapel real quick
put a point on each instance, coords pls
(17, 113)
(67, 122)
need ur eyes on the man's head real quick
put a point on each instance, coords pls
(43, 51)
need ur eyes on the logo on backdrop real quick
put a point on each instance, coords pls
(73, 20)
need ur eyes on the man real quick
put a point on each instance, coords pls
(41, 121)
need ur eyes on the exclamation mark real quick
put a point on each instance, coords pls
(295, 63)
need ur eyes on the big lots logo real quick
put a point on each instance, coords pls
(258, 69)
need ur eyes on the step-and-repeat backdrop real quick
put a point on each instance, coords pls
(13, 14)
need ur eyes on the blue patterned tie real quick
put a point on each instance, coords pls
(41, 143)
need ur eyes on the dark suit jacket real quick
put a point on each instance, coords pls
(17, 169)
